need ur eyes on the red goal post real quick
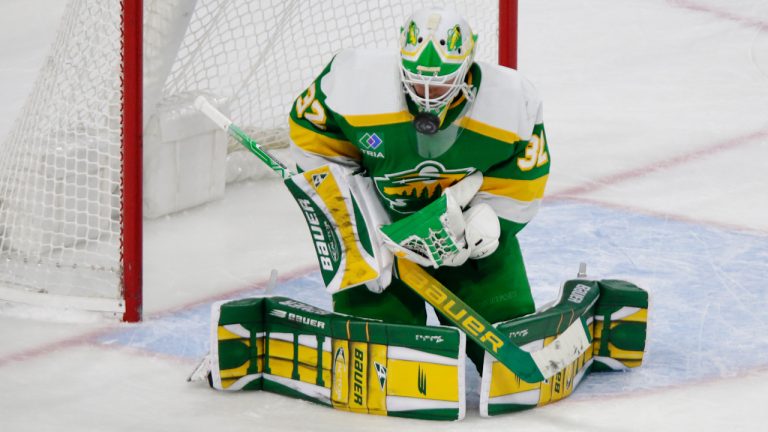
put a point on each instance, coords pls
(132, 109)
(72, 204)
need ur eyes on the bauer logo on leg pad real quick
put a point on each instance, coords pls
(348, 363)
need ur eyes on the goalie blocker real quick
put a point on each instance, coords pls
(342, 221)
(354, 364)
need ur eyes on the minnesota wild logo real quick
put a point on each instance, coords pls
(411, 38)
(454, 39)
(410, 190)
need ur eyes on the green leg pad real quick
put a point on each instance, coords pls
(502, 391)
(288, 347)
(620, 326)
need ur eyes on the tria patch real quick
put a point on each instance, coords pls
(371, 141)
(370, 145)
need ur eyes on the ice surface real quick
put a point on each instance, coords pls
(657, 118)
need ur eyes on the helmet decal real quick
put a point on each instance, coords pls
(412, 35)
(454, 40)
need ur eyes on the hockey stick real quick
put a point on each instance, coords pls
(530, 366)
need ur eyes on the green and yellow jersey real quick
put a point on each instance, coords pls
(355, 114)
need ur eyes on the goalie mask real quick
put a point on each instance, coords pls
(436, 51)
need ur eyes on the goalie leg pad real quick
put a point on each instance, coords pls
(502, 391)
(615, 313)
(349, 363)
(237, 345)
(620, 326)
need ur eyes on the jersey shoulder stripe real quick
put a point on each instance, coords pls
(320, 144)
(488, 130)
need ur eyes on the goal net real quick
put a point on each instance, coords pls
(62, 185)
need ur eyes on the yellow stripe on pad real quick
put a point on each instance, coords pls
(280, 349)
(621, 355)
(422, 380)
(240, 371)
(639, 316)
(505, 382)
(222, 334)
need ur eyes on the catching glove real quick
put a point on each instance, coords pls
(435, 235)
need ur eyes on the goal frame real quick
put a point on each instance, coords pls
(131, 229)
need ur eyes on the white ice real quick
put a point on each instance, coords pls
(657, 118)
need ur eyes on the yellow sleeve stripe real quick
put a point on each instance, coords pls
(520, 190)
(364, 120)
(319, 144)
(488, 130)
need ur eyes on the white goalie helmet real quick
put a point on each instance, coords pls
(437, 47)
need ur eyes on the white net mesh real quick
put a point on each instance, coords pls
(60, 166)
(59, 173)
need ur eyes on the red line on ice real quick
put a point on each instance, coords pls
(667, 216)
(90, 338)
(301, 271)
(748, 21)
(81, 339)
(673, 162)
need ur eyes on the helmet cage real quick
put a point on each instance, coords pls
(454, 81)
